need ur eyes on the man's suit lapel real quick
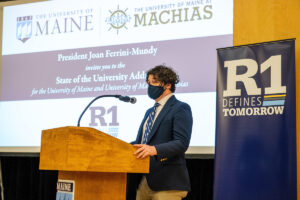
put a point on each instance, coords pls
(161, 115)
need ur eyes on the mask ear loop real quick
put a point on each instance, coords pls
(164, 86)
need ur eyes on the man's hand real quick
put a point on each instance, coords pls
(144, 150)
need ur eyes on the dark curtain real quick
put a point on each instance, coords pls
(23, 180)
(201, 173)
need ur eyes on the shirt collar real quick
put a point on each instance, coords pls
(164, 100)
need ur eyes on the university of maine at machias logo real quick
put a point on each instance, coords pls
(118, 19)
(24, 28)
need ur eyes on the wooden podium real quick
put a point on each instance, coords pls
(98, 163)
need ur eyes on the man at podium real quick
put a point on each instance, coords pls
(164, 135)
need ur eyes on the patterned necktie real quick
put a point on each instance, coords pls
(150, 122)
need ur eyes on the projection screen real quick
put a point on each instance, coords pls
(59, 55)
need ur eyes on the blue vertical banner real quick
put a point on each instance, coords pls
(255, 153)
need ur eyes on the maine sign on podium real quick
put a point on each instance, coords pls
(91, 164)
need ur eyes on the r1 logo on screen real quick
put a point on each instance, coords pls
(105, 119)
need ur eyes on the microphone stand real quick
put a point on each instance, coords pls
(116, 96)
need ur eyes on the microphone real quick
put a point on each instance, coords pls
(127, 99)
(121, 98)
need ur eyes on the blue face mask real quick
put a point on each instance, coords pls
(155, 91)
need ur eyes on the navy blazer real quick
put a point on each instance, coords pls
(170, 134)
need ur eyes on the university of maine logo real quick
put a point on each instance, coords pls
(24, 28)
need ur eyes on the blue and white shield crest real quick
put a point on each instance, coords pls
(24, 28)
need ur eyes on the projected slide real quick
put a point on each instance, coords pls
(57, 56)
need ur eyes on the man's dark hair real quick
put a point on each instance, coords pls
(165, 75)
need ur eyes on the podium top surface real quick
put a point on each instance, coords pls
(87, 149)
